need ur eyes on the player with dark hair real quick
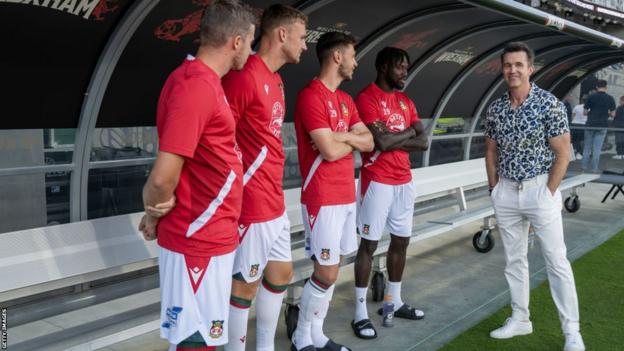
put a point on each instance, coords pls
(328, 131)
(198, 160)
(386, 198)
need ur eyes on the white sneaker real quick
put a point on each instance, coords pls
(618, 157)
(574, 342)
(579, 156)
(512, 328)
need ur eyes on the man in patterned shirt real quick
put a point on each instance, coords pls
(527, 147)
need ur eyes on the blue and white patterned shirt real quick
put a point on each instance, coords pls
(522, 134)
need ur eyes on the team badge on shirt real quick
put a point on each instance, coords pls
(254, 270)
(345, 110)
(365, 229)
(324, 254)
(217, 329)
(403, 105)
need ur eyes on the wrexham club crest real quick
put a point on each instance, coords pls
(403, 105)
(366, 229)
(217, 329)
(324, 254)
(254, 270)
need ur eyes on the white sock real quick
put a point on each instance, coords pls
(361, 312)
(237, 329)
(268, 306)
(312, 300)
(394, 290)
(318, 337)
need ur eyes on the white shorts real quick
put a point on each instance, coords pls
(194, 295)
(386, 209)
(329, 232)
(260, 243)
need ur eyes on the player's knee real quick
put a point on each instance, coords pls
(326, 276)
(399, 243)
(244, 290)
(368, 247)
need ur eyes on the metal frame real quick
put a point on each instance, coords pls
(544, 70)
(465, 73)
(555, 84)
(91, 106)
(450, 41)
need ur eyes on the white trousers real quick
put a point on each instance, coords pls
(515, 206)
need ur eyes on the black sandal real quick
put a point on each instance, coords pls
(363, 325)
(332, 346)
(406, 312)
(307, 348)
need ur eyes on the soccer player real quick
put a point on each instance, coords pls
(256, 96)
(199, 161)
(386, 189)
(328, 131)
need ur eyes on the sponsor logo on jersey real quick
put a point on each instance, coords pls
(216, 330)
(341, 126)
(396, 123)
(266, 89)
(325, 254)
(277, 119)
(384, 107)
(172, 317)
(238, 152)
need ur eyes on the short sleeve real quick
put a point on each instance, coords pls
(239, 88)
(353, 112)
(189, 107)
(589, 102)
(367, 108)
(490, 123)
(556, 122)
(414, 117)
(611, 103)
(310, 110)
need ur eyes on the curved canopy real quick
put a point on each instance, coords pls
(104, 61)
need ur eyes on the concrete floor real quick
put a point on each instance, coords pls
(456, 286)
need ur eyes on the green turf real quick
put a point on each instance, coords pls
(600, 285)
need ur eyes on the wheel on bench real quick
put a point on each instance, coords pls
(291, 316)
(488, 242)
(378, 286)
(572, 204)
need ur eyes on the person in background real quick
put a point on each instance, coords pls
(599, 107)
(579, 118)
(618, 122)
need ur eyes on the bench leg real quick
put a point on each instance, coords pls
(291, 312)
(608, 193)
(378, 278)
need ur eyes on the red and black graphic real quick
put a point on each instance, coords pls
(491, 68)
(103, 8)
(175, 29)
(416, 40)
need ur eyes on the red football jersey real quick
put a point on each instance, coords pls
(324, 183)
(398, 112)
(256, 96)
(195, 122)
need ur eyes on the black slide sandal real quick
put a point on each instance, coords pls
(363, 325)
(406, 312)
